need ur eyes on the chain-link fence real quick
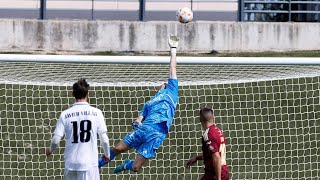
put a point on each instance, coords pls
(150, 10)
(280, 10)
(133, 10)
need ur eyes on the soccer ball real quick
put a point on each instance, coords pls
(184, 15)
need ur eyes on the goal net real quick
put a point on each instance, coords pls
(269, 114)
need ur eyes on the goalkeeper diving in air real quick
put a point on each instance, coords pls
(153, 123)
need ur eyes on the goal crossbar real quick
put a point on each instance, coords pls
(157, 59)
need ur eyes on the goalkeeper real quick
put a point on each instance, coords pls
(153, 123)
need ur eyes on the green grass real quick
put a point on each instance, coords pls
(272, 129)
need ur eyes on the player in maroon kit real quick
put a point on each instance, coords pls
(213, 147)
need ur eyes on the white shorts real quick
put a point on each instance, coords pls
(91, 174)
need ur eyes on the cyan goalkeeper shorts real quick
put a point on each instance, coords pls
(146, 140)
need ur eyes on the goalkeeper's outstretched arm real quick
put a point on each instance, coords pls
(173, 43)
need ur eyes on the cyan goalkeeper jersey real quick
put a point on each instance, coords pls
(161, 108)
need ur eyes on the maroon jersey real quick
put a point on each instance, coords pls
(213, 140)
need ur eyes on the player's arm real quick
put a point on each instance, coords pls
(104, 140)
(173, 43)
(137, 122)
(103, 136)
(139, 118)
(55, 140)
(57, 135)
(172, 85)
(217, 164)
(143, 113)
(194, 160)
(215, 155)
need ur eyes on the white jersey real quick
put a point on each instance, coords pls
(81, 123)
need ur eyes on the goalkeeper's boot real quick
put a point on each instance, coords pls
(122, 166)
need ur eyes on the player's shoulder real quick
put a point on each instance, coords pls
(173, 80)
(214, 130)
(95, 109)
(172, 85)
(65, 112)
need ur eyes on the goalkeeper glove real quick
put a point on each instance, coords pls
(173, 43)
(136, 124)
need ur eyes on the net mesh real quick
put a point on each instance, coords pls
(269, 114)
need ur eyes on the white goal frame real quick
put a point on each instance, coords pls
(158, 59)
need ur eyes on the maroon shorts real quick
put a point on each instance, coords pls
(210, 176)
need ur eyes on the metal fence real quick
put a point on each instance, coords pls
(280, 10)
(146, 10)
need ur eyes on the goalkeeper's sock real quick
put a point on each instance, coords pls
(129, 165)
(112, 154)
(123, 167)
(102, 162)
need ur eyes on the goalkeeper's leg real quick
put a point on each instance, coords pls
(132, 140)
(120, 148)
(145, 151)
(130, 165)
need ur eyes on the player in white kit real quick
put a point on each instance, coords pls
(80, 124)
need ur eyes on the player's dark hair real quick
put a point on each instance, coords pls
(80, 89)
(206, 114)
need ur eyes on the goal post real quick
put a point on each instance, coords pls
(268, 108)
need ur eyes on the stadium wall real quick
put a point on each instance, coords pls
(201, 36)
